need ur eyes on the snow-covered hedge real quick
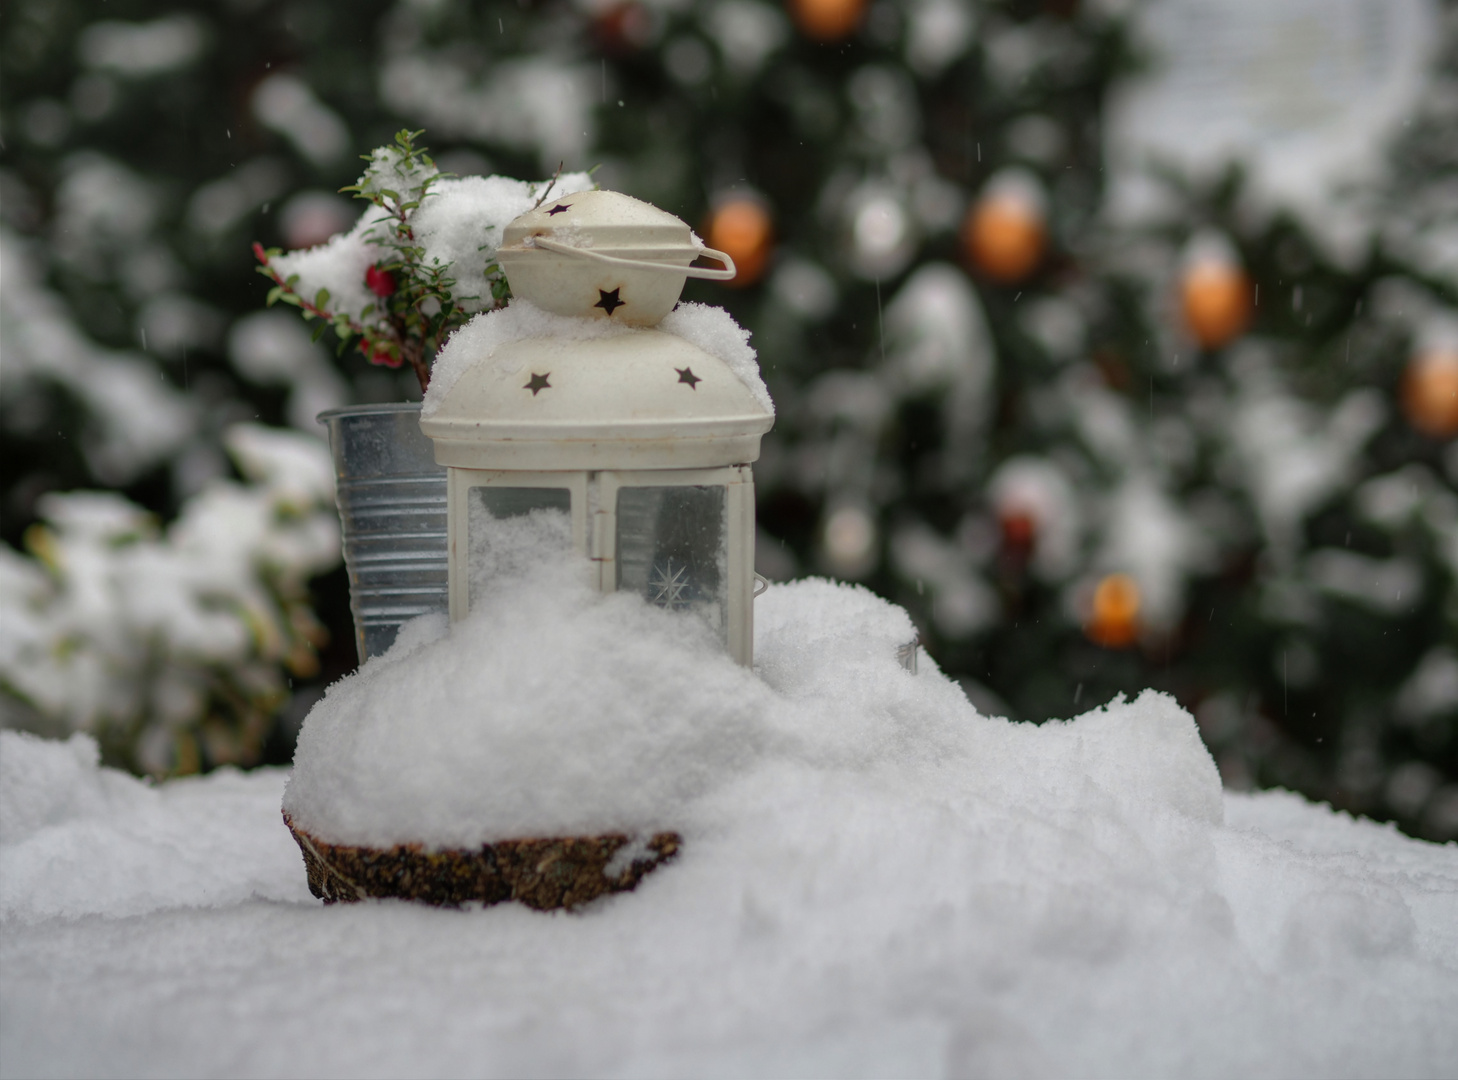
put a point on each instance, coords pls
(172, 646)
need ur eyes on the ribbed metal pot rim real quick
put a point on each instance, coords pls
(377, 407)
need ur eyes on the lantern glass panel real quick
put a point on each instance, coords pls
(510, 527)
(672, 549)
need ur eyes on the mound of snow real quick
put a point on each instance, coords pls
(76, 839)
(876, 880)
(555, 710)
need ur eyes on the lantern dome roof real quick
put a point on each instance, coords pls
(604, 255)
(606, 219)
(635, 399)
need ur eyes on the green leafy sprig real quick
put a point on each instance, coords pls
(417, 307)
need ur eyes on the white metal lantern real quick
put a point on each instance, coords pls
(643, 439)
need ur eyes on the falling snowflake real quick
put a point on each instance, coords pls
(669, 586)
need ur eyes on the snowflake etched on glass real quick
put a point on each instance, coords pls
(668, 586)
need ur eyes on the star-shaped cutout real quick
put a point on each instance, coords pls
(539, 382)
(560, 208)
(686, 375)
(609, 301)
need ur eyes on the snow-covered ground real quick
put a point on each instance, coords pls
(875, 881)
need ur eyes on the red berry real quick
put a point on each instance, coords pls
(380, 354)
(380, 282)
(1019, 531)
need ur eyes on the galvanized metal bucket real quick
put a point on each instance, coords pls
(392, 506)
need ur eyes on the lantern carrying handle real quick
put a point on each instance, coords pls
(705, 272)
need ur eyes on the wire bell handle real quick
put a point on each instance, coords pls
(706, 273)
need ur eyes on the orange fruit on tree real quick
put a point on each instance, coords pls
(1430, 392)
(1215, 300)
(827, 20)
(1005, 231)
(740, 226)
(1114, 616)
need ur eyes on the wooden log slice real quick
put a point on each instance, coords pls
(547, 873)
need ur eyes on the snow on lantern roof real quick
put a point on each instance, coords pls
(638, 398)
